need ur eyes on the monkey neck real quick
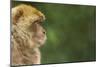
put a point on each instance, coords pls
(26, 56)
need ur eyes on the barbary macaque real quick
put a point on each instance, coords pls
(27, 35)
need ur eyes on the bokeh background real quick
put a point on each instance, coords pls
(71, 32)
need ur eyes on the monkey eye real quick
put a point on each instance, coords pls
(38, 22)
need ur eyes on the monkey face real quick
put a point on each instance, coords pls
(39, 34)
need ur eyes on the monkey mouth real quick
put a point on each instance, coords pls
(40, 40)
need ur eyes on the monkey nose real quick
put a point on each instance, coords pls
(44, 32)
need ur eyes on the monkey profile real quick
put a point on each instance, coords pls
(27, 35)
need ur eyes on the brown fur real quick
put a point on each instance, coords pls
(27, 35)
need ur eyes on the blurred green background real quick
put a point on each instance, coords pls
(71, 32)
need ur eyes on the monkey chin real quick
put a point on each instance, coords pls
(40, 41)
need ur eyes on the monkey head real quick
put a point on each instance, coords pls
(28, 19)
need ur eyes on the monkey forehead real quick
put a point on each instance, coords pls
(28, 10)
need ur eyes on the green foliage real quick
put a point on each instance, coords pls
(71, 32)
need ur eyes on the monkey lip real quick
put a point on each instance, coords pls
(40, 40)
(41, 37)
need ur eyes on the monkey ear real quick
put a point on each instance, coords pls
(16, 14)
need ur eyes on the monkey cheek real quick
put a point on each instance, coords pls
(41, 41)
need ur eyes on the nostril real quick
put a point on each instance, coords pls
(44, 32)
